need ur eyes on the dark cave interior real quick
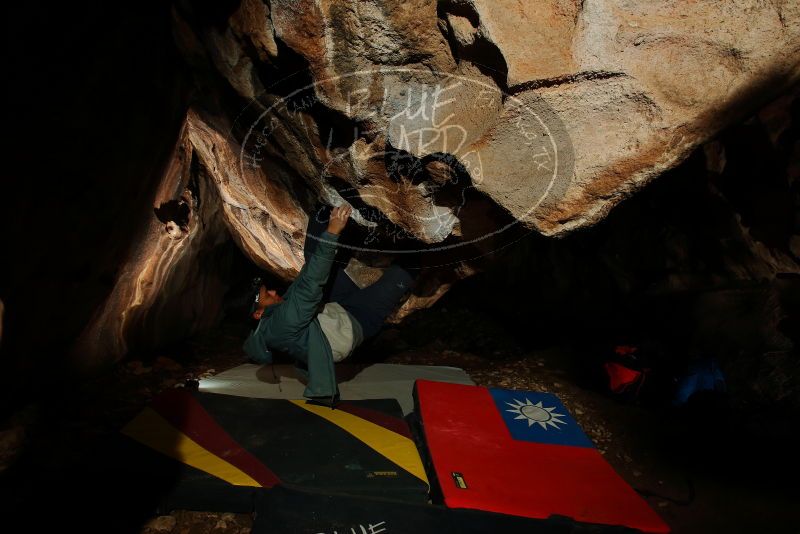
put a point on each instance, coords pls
(97, 96)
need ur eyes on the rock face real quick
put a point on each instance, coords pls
(453, 127)
(178, 271)
(702, 262)
(163, 293)
(552, 111)
(82, 171)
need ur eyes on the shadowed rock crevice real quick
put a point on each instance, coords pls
(460, 23)
(175, 211)
(562, 80)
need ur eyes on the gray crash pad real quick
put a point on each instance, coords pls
(356, 382)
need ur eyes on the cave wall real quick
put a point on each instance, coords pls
(456, 127)
(177, 270)
(701, 263)
(96, 98)
(151, 134)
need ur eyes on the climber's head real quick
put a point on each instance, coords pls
(261, 297)
(265, 297)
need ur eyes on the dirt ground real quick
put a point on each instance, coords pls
(698, 485)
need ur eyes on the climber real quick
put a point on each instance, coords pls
(317, 335)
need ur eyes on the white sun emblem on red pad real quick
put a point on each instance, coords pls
(536, 413)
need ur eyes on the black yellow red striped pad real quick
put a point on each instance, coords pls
(360, 448)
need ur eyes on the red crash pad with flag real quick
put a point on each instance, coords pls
(521, 453)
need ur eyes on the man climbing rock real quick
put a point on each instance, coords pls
(317, 335)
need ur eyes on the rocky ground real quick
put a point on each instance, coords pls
(648, 445)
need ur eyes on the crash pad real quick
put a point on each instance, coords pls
(226, 447)
(356, 382)
(301, 512)
(521, 453)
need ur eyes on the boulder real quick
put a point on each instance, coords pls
(554, 111)
(454, 128)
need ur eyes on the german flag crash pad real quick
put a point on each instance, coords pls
(221, 449)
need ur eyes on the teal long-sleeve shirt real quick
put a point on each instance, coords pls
(292, 325)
